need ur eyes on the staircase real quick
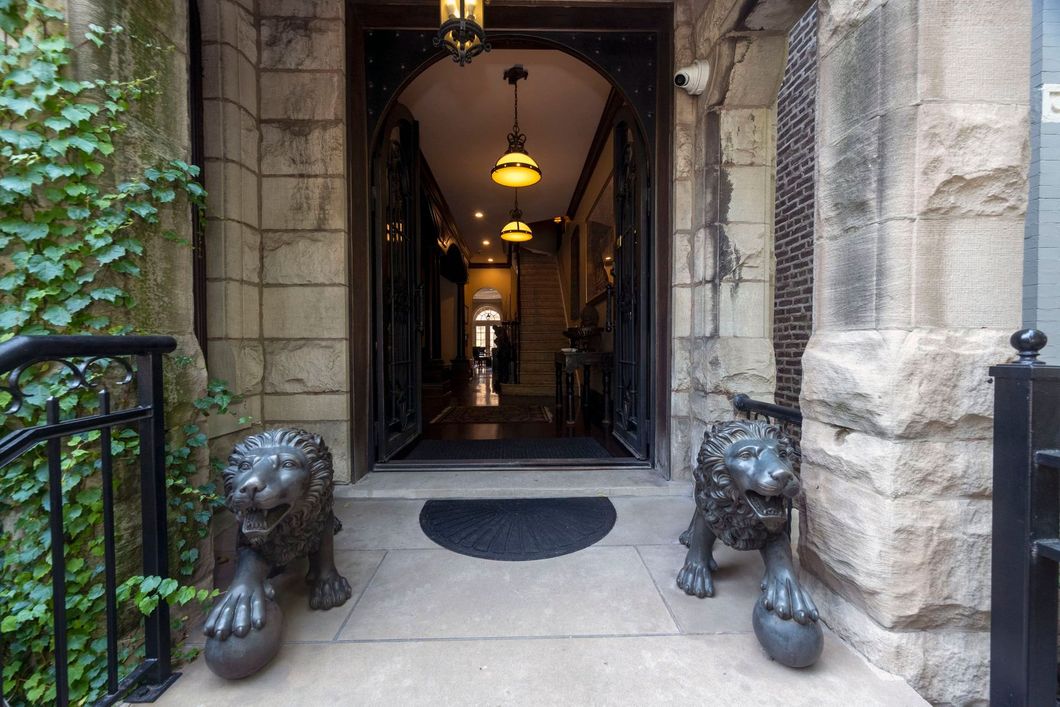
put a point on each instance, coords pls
(541, 324)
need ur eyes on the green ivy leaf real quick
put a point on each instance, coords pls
(56, 315)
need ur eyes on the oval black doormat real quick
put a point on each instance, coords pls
(517, 529)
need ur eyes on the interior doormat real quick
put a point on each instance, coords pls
(525, 448)
(486, 414)
(517, 529)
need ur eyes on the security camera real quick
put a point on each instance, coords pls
(693, 78)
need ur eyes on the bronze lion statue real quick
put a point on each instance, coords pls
(279, 485)
(744, 474)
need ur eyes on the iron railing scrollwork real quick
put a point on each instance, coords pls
(90, 363)
(1026, 520)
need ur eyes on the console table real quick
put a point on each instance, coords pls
(566, 365)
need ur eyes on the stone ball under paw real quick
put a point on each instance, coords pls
(235, 657)
(787, 642)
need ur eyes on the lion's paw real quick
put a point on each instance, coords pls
(329, 591)
(695, 580)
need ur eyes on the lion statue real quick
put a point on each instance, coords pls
(744, 474)
(279, 485)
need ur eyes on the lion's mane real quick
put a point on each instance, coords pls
(299, 532)
(727, 511)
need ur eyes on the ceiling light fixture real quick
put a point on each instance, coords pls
(479, 214)
(489, 260)
(485, 241)
(516, 168)
(516, 230)
(462, 32)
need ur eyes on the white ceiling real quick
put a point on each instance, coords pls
(465, 115)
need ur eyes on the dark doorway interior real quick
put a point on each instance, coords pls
(467, 327)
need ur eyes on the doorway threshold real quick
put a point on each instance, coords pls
(514, 483)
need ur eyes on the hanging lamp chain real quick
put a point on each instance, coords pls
(516, 139)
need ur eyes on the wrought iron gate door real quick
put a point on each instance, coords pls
(633, 219)
(395, 220)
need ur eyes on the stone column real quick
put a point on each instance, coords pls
(305, 262)
(922, 159)
(723, 214)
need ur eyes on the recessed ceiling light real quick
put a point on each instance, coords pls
(489, 260)
(485, 241)
(479, 214)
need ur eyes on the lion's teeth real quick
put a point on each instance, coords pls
(254, 520)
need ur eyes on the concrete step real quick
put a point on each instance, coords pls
(529, 389)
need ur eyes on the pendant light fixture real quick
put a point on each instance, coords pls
(516, 168)
(516, 230)
(462, 30)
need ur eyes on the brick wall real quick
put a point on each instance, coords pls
(793, 298)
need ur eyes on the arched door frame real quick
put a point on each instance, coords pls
(604, 39)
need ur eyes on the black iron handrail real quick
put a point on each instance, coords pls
(140, 359)
(1026, 511)
(745, 404)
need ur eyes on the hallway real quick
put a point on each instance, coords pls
(603, 626)
(446, 421)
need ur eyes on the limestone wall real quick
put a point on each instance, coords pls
(303, 220)
(922, 160)
(276, 237)
(725, 165)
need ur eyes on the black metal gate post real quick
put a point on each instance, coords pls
(150, 394)
(1026, 509)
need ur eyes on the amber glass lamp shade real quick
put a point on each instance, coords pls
(516, 169)
(516, 231)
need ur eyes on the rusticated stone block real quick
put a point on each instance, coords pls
(305, 367)
(915, 469)
(729, 365)
(301, 43)
(301, 8)
(747, 136)
(238, 362)
(320, 406)
(863, 380)
(292, 95)
(948, 667)
(304, 313)
(954, 65)
(303, 203)
(909, 565)
(297, 147)
(300, 257)
(972, 160)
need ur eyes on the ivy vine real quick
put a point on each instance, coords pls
(73, 229)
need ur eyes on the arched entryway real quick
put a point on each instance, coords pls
(636, 66)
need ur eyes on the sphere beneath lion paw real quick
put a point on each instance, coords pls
(235, 657)
(787, 641)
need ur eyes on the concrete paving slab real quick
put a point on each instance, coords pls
(300, 623)
(513, 484)
(671, 670)
(439, 594)
(736, 589)
(380, 524)
(657, 520)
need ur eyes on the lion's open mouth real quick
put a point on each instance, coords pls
(769, 509)
(258, 521)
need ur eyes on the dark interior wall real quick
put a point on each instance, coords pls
(793, 297)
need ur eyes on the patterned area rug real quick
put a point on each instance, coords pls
(495, 414)
(517, 529)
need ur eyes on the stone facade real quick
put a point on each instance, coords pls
(276, 238)
(922, 159)
(793, 237)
